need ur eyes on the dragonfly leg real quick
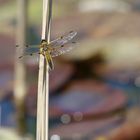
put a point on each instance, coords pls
(41, 53)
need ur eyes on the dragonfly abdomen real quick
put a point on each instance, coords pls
(49, 60)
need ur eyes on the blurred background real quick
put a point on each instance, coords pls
(94, 89)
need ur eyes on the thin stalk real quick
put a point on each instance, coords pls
(43, 79)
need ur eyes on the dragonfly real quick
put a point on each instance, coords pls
(49, 50)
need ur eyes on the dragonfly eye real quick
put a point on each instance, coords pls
(43, 41)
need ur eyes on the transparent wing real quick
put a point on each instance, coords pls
(56, 51)
(63, 40)
(61, 50)
(30, 50)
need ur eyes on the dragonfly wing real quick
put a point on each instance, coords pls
(63, 40)
(61, 50)
(30, 50)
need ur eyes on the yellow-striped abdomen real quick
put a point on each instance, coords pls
(49, 60)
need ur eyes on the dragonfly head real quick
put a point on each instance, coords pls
(43, 42)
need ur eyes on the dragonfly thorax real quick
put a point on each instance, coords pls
(45, 48)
